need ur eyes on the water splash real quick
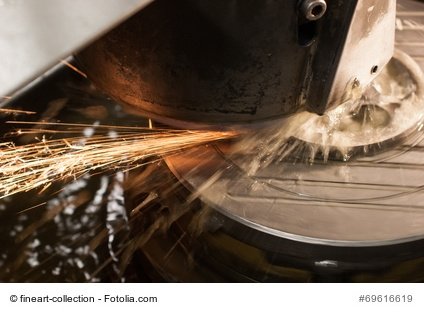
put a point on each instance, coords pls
(387, 112)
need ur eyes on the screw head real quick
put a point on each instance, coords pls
(313, 9)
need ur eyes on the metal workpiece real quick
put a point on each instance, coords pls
(36, 34)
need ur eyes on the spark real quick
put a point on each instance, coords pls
(38, 165)
(14, 111)
(74, 68)
(32, 207)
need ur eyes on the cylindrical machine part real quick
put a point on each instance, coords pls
(205, 61)
(217, 62)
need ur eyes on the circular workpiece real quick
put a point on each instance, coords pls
(363, 202)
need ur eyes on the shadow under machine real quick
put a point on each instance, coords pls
(328, 186)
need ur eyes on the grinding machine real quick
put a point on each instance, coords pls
(328, 184)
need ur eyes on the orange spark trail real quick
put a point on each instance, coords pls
(30, 166)
(74, 68)
(14, 111)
